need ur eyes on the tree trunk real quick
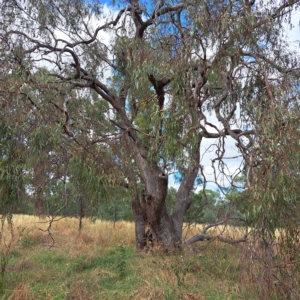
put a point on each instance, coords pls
(163, 231)
(166, 231)
(140, 235)
(151, 210)
(150, 213)
(81, 213)
(39, 202)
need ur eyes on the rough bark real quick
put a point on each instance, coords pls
(155, 212)
(140, 236)
(166, 230)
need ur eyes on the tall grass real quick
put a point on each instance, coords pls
(101, 263)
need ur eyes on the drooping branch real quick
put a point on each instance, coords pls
(235, 134)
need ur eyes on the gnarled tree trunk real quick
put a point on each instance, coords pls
(151, 210)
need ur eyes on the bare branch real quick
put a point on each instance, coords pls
(203, 236)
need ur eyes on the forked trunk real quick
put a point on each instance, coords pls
(150, 209)
(164, 230)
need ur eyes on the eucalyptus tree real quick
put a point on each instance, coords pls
(11, 146)
(139, 86)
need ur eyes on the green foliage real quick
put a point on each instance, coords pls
(210, 207)
(274, 203)
(11, 182)
(27, 241)
(204, 207)
(208, 217)
(11, 165)
(116, 209)
(276, 178)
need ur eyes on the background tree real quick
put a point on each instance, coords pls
(178, 72)
(204, 207)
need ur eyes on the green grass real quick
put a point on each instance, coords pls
(93, 266)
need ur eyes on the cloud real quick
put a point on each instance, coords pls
(293, 32)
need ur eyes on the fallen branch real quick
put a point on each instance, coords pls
(206, 237)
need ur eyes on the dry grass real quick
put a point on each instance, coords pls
(233, 232)
(79, 291)
(88, 265)
(98, 232)
(66, 235)
(22, 292)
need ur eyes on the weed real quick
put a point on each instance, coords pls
(180, 274)
(121, 266)
(26, 241)
(81, 265)
(169, 294)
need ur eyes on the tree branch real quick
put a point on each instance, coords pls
(203, 236)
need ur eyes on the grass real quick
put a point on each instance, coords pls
(101, 263)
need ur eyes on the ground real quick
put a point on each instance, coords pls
(101, 263)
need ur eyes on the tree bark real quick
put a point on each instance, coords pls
(39, 202)
(151, 212)
(140, 226)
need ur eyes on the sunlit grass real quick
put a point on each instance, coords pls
(101, 263)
